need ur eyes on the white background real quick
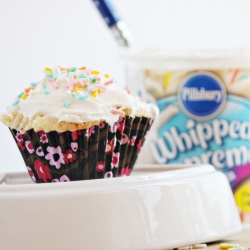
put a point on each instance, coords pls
(39, 33)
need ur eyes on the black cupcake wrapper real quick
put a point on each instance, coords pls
(97, 152)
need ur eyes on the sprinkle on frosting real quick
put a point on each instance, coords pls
(92, 79)
(83, 97)
(73, 69)
(20, 95)
(47, 69)
(117, 112)
(108, 82)
(15, 103)
(33, 84)
(95, 72)
(24, 97)
(78, 95)
(66, 104)
(95, 93)
(128, 90)
(82, 76)
(49, 75)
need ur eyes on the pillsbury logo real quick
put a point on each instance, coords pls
(202, 95)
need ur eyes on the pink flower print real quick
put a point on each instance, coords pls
(75, 135)
(29, 147)
(39, 151)
(69, 156)
(138, 146)
(55, 180)
(132, 141)
(100, 166)
(124, 139)
(113, 128)
(102, 125)
(21, 145)
(43, 138)
(109, 147)
(55, 156)
(90, 131)
(109, 174)
(125, 171)
(19, 137)
(74, 146)
(42, 171)
(31, 174)
(115, 160)
(64, 178)
(121, 126)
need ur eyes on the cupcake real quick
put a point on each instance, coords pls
(78, 124)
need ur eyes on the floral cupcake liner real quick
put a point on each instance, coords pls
(97, 152)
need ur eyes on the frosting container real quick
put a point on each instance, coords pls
(204, 102)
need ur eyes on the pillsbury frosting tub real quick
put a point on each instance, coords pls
(204, 102)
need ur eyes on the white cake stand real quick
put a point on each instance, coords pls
(159, 207)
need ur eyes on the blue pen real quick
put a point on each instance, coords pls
(114, 22)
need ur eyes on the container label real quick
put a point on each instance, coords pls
(202, 95)
(223, 141)
(204, 119)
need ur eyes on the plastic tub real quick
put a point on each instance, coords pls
(204, 102)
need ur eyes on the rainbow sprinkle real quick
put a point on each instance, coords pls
(89, 88)
(95, 72)
(82, 76)
(234, 76)
(92, 80)
(55, 85)
(81, 83)
(244, 76)
(24, 96)
(83, 97)
(82, 68)
(108, 82)
(51, 80)
(47, 69)
(73, 69)
(77, 89)
(20, 95)
(66, 104)
(15, 103)
(117, 112)
(95, 93)
(49, 75)
(128, 90)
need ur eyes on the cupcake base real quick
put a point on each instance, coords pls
(101, 151)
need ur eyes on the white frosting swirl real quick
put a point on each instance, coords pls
(79, 95)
